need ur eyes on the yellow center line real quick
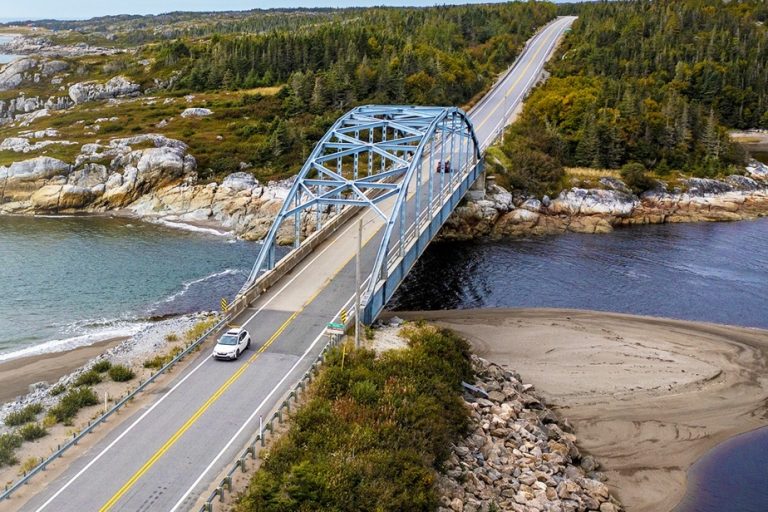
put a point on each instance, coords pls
(519, 77)
(222, 389)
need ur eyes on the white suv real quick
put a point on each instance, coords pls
(233, 343)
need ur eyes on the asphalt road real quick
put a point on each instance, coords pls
(168, 452)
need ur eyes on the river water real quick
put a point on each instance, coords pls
(715, 272)
(710, 272)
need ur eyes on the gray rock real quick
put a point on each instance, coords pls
(240, 181)
(115, 87)
(196, 112)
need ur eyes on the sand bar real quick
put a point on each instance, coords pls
(646, 396)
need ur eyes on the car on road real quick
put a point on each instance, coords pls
(231, 344)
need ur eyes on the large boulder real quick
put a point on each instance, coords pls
(196, 112)
(240, 181)
(34, 169)
(115, 87)
(14, 73)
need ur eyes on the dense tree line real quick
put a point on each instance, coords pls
(652, 82)
(436, 55)
(441, 55)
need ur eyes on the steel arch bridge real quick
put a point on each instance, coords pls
(410, 165)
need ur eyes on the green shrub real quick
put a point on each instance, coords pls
(57, 389)
(171, 337)
(72, 402)
(197, 330)
(23, 415)
(102, 366)
(89, 378)
(159, 361)
(373, 433)
(32, 431)
(120, 373)
(8, 445)
(636, 177)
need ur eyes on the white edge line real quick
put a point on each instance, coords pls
(251, 417)
(174, 388)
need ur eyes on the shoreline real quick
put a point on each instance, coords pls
(647, 396)
(17, 375)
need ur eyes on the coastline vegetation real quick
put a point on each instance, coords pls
(655, 84)
(373, 432)
(24, 415)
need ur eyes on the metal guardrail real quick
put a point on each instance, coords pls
(92, 425)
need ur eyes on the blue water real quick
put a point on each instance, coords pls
(714, 272)
(6, 57)
(732, 477)
(74, 280)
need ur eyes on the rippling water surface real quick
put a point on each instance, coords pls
(72, 280)
(716, 272)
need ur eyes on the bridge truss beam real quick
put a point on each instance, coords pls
(374, 157)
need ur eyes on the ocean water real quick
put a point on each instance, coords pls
(71, 281)
(714, 272)
(6, 57)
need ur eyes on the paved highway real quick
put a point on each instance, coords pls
(168, 452)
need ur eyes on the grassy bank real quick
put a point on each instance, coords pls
(373, 432)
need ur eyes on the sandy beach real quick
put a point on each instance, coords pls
(646, 396)
(17, 374)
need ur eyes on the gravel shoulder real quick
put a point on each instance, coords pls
(646, 396)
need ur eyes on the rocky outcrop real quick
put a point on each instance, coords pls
(28, 69)
(16, 72)
(154, 183)
(499, 214)
(115, 87)
(518, 456)
(10, 109)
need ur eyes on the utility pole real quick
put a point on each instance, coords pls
(358, 323)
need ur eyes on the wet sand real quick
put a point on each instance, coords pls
(17, 374)
(646, 396)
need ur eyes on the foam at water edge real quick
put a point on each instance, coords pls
(190, 227)
(185, 286)
(83, 340)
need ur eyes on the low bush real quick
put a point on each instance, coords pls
(72, 402)
(23, 415)
(28, 465)
(161, 360)
(636, 177)
(197, 330)
(102, 366)
(120, 373)
(8, 445)
(32, 431)
(373, 433)
(57, 389)
(171, 337)
(89, 378)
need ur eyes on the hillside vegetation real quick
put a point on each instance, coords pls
(373, 432)
(655, 83)
(276, 80)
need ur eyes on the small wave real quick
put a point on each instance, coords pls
(189, 284)
(190, 227)
(83, 340)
